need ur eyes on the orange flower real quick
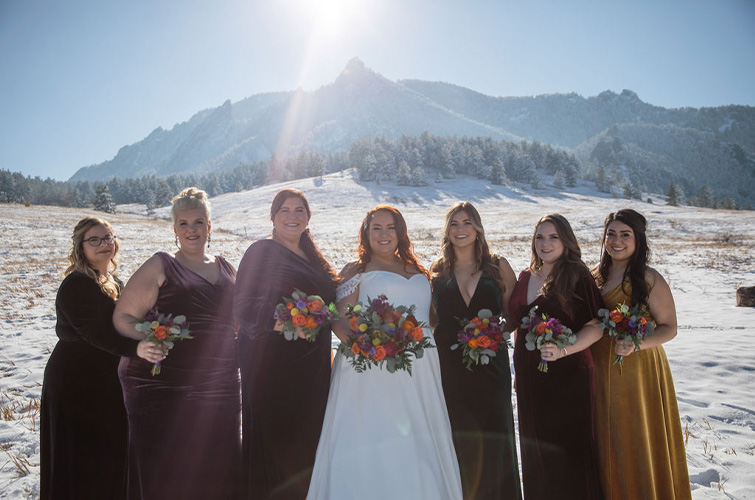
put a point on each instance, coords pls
(314, 306)
(355, 348)
(299, 320)
(483, 341)
(353, 323)
(472, 343)
(311, 322)
(289, 305)
(477, 323)
(161, 332)
(408, 325)
(540, 328)
(616, 316)
(418, 334)
(379, 353)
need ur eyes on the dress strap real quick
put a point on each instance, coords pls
(347, 287)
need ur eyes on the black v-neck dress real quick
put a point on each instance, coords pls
(478, 401)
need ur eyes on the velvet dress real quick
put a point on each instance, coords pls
(184, 423)
(637, 427)
(478, 401)
(284, 383)
(83, 428)
(556, 408)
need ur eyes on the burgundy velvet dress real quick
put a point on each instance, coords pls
(285, 383)
(184, 423)
(556, 408)
(478, 401)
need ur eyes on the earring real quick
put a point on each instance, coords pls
(177, 245)
(209, 239)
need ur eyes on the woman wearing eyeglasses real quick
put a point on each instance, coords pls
(83, 428)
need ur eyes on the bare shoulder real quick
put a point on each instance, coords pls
(653, 278)
(349, 270)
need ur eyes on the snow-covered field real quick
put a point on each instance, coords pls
(704, 254)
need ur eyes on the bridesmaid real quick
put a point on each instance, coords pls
(184, 423)
(284, 383)
(556, 408)
(465, 279)
(637, 425)
(83, 428)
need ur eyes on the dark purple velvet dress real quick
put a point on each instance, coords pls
(556, 408)
(184, 423)
(284, 383)
(83, 428)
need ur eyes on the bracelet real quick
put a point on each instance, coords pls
(563, 349)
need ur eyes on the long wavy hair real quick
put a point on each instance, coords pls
(638, 261)
(78, 262)
(306, 243)
(405, 250)
(562, 280)
(484, 260)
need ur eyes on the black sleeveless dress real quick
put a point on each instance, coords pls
(184, 423)
(478, 401)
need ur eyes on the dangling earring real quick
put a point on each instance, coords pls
(177, 245)
(209, 239)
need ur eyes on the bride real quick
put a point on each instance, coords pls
(385, 434)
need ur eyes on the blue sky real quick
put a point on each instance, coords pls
(79, 79)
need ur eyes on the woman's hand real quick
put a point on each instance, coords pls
(623, 347)
(150, 351)
(550, 352)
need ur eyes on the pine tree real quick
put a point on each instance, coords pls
(558, 180)
(103, 200)
(419, 177)
(704, 197)
(674, 195)
(602, 182)
(404, 175)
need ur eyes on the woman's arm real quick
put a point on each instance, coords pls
(590, 333)
(509, 282)
(663, 310)
(84, 311)
(341, 327)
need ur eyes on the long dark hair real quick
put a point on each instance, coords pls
(405, 250)
(306, 243)
(484, 260)
(638, 261)
(562, 280)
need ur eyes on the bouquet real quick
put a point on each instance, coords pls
(542, 329)
(481, 337)
(163, 330)
(305, 313)
(383, 335)
(626, 324)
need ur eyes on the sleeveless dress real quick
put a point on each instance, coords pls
(637, 427)
(387, 435)
(284, 382)
(556, 408)
(83, 427)
(184, 423)
(478, 401)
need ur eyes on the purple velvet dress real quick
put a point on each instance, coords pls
(556, 408)
(184, 423)
(285, 383)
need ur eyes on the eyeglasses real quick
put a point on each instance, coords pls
(96, 241)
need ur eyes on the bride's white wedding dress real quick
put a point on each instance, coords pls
(387, 435)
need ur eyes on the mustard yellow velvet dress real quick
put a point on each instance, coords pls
(638, 432)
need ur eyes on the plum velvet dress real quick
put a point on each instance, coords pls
(478, 400)
(184, 423)
(284, 383)
(556, 408)
(637, 427)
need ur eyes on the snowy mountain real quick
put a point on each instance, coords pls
(361, 103)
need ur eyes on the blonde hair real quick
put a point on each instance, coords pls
(189, 199)
(78, 261)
